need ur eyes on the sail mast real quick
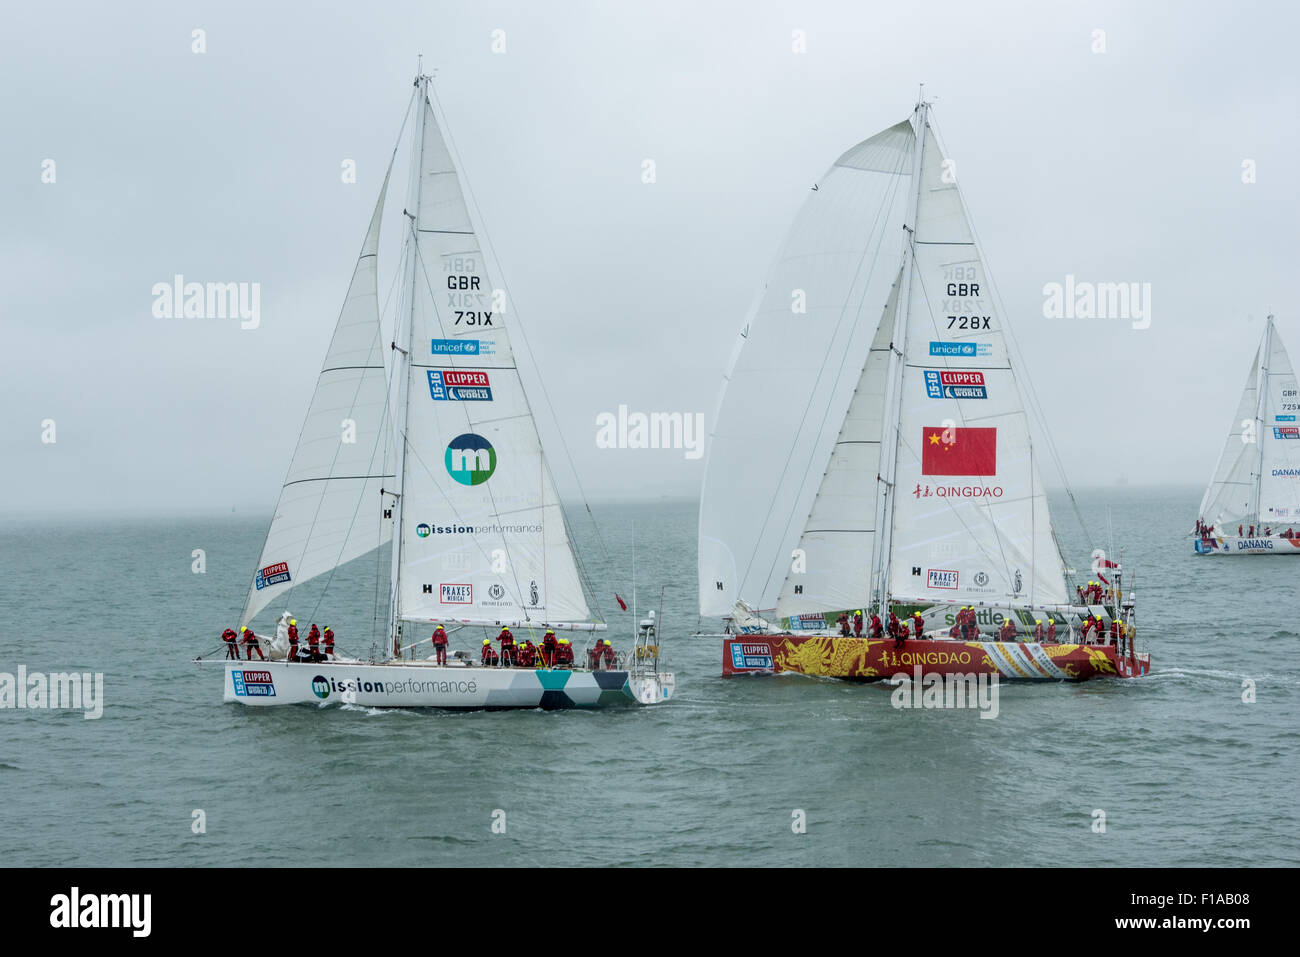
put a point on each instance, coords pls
(402, 368)
(883, 543)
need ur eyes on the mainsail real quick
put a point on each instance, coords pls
(482, 537)
(1257, 478)
(330, 508)
(931, 493)
(794, 368)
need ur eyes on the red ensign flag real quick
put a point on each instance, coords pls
(970, 451)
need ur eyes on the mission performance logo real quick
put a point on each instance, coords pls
(470, 459)
(459, 386)
(953, 384)
(959, 451)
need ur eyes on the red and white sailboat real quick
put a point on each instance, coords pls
(872, 396)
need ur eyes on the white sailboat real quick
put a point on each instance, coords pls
(871, 451)
(456, 479)
(1252, 504)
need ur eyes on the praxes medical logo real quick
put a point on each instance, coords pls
(456, 594)
(272, 575)
(954, 384)
(470, 459)
(459, 385)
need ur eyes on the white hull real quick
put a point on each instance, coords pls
(412, 684)
(1232, 545)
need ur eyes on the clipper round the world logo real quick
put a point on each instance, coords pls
(470, 459)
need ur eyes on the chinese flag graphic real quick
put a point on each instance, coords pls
(970, 451)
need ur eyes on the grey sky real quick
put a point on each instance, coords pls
(1121, 166)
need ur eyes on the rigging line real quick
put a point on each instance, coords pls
(288, 471)
(1010, 335)
(886, 204)
(523, 336)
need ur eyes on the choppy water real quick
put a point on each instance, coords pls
(1186, 772)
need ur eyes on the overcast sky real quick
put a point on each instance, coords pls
(1122, 166)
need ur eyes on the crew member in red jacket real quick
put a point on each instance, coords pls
(549, 646)
(489, 656)
(328, 636)
(527, 654)
(857, 624)
(1051, 629)
(507, 640)
(593, 655)
(232, 643)
(877, 629)
(1114, 631)
(440, 644)
(918, 624)
(293, 639)
(607, 655)
(1039, 632)
(251, 645)
(564, 653)
(1008, 632)
(313, 643)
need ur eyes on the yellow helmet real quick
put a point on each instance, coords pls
(1038, 621)
(487, 641)
(505, 627)
(293, 621)
(245, 628)
(1051, 621)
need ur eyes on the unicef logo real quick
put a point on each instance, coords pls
(320, 687)
(470, 459)
(423, 530)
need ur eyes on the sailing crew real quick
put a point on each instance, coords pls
(293, 640)
(328, 635)
(527, 654)
(549, 645)
(1087, 627)
(564, 654)
(1008, 631)
(440, 644)
(251, 645)
(608, 654)
(313, 643)
(1114, 631)
(877, 629)
(844, 625)
(1252, 531)
(893, 623)
(1051, 629)
(489, 656)
(1039, 632)
(955, 632)
(507, 640)
(1239, 531)
(857, 623)
(231, 639)
(918, 624)
(898, 630)
(593, 655)
(1268, 531)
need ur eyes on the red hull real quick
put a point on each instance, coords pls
(866, 659)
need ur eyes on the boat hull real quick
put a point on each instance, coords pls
(418, 685)
(1232, 545)
(865, 659)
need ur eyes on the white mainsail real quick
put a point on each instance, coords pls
(482, 534)
(794, 368)
(330, 509)
(1257, 479)
(970, 516)
(936, 423)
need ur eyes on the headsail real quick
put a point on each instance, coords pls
(832, 567)
(483, 537)
(330, 510)
(1230, 497)
(794, 368)
(970, 516)
(1279, 434)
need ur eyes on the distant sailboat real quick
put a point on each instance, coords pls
(1252, 505)
(919, 490)
(458, 483)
